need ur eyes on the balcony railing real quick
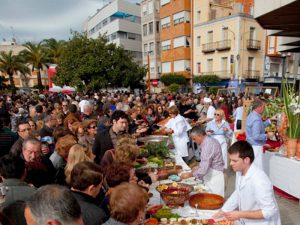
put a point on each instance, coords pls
(223, 45)
(252, 74)
(209, 47)
(253, 44)
(224, 74)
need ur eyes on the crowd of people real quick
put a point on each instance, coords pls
(77, 152)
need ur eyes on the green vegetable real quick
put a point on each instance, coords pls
(158, 149)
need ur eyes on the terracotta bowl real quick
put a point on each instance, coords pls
(206, 201)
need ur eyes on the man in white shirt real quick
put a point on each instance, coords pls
(210, 110)
(253, 201)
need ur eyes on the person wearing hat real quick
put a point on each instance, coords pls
(210, 111)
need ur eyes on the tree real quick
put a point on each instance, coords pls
(53, 49)
(35, 55)
(12, 64)
(94, 64)
(169, 79)
(206, 79)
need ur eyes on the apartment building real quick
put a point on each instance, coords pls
(227, 40)
(283, 39)
(20, 80)
(120, 21)
(150, 25)
(175, 37)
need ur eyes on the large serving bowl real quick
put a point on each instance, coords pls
(206, 201)
(174, 194)
(153, 138)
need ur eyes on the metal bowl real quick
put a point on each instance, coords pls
(153, 138)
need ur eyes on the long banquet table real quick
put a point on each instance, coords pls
(284, 173)
(186, 211)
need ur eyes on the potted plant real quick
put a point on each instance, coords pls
(292, 110)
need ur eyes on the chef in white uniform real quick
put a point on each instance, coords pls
(253, 201)
(179, 127)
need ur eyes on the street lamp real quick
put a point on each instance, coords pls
(148, 61)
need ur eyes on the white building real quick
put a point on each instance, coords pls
(150, 38)
(120, 21)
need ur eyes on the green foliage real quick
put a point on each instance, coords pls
(11, 64)
(206, 79)
(158, 149)
(173, 88)
(35, 54)
(93, 64)
(169, 79)
(53, 49)
(213, 90)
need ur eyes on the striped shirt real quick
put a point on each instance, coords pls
(211, 157)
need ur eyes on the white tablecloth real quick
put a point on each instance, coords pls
(185, 211)
(284, 173)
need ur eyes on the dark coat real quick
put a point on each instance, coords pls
(102, 143)
(91, 213)
(16, 149)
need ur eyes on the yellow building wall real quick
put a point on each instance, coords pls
(238, 33)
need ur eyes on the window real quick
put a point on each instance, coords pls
(151, 28)
(181, 65)
(179, 42)
(157, 26)
(225, 33)
(181, 17)
(151, 48)
(165, 22)
(198, 16)
(210, 65)
(164, 2)
(104, 22)
(113, 36)
(166, 67)
(250, 63)
(198, 41)
(199, 67)
(145, 30)
(158, 47)
(210, 36)
(166, 45)
(145, 48)
(131, 36)
(252, 33)
(150, 7)
(224, 63)
(144, 10)
(152, 67)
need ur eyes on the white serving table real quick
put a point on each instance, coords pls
(186, 211)
(284, 173)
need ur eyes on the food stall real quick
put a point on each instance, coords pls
(175, 201)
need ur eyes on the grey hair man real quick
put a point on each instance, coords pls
(53, 205)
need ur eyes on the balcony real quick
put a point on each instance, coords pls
(209, 47)
(224, 74)
(253, 44)
(252, 74)
(223, 45)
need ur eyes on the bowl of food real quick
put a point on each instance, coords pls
(206, 201)
(174, 194)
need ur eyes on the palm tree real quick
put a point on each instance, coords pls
(35, 55)
(54, 49)
(11, 64)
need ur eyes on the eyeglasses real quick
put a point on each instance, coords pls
(28, 129)
(64, 105)
(93, 127)
(217, 114)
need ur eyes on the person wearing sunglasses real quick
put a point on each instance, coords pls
(90, 131)
(219, 129)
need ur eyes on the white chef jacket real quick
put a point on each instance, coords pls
(254, 191)
(180, 136)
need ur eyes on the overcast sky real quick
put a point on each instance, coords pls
(35, 20)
